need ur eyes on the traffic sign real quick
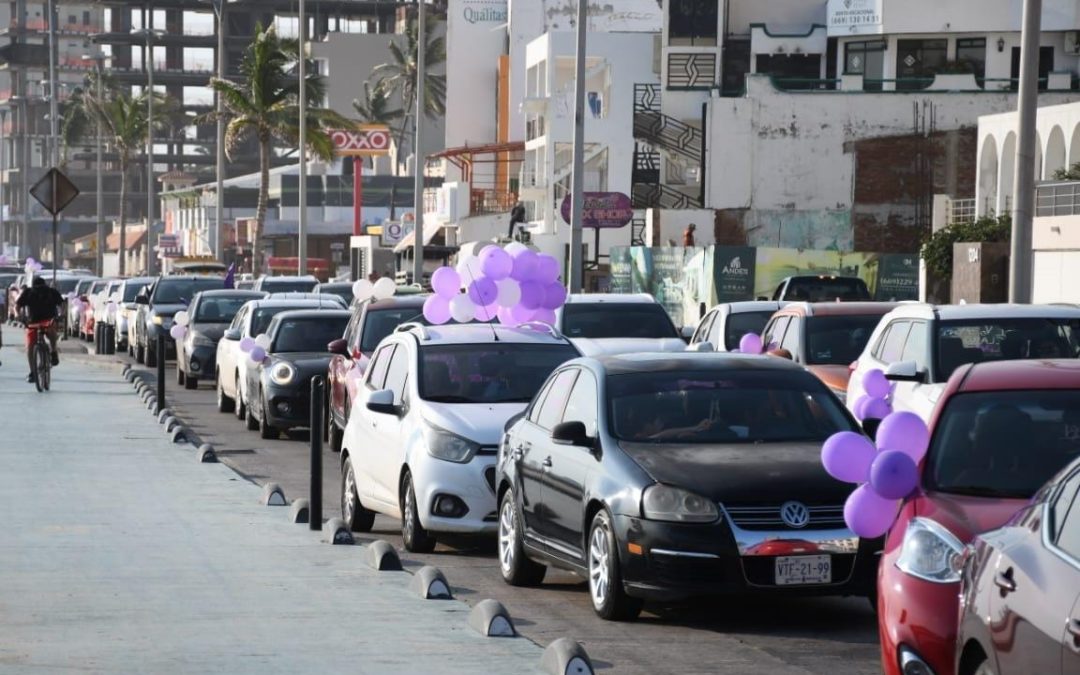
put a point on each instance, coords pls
(54, 191)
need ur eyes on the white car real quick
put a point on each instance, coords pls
(728, 322)
(422, 438)
(231, 363)
(920, 345)
(617, 323)
(100, 302)
(127, 309)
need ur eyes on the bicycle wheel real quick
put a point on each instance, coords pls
(41, 367)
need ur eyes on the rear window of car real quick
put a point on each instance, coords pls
(703, 406)
(309, 334)
(181, 291)
(963, 342)
(219, 309)
(343, 291)
(838, 340)
(271, 285)
(600, 320)
(488, 373)
(742, 323)
(826, 289)
(260, 321)
(133, 289)
(379, 323)
(1004, 444)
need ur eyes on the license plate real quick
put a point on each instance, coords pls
(803, 569)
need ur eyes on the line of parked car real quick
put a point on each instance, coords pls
(660, 471)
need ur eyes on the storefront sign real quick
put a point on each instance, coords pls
(603, 210)
(854, 17)
(364, 141)
(733, 271)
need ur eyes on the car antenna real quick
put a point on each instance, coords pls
(494, 333)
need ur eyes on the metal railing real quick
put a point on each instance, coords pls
(1057, 199)
(649, 196)
(488, 202)
(691, 70)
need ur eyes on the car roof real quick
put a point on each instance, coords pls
(823, 277)
(840, 308)
(1020, 374)
(482, 333)
(335, 284)
(313, 314)
(396, 301)
(622, 364)
(748, 306)
(139, 280)
(976, 311)
(290, 277)
(299, 303)
(231, 293)
(610, 298)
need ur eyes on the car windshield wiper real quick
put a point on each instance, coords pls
(980, 491)
(449, 399)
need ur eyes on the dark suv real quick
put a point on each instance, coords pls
(822, 288)
(158, 303)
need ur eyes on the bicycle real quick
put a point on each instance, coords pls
(42, 354)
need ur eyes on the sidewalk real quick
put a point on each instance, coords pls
(120, 553)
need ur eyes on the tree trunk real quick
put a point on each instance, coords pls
(264, 197)
(122, 249)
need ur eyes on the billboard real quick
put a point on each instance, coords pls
(854, 17)
(363, 141)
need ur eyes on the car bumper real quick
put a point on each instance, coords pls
(917, 616)
(201, 362)
(674, 561)
(288, 407)
(472, 484)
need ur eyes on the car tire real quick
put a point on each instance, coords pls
(250, 421)
(337, 437)
(179, 375)
(224, 403)
(140, 354)
(151, 357)
(353, 512)
(609, 598)
(517, 568)
(239, 409)
(191, 382)
(266, 431)
(413, 535)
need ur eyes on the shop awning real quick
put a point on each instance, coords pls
(430, 231)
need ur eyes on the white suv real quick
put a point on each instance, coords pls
(618, 323)
(919, 345)
(423, 433)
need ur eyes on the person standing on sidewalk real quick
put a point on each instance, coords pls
(688, 236)
(41, 303)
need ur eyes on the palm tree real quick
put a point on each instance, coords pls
(265, 105)
(375, 108)
(400, 74)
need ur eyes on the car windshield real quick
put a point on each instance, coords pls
(219, 308)
(65, 285)
(488, 373)
(962, 342)
(132, 289)
(343, 291)
(378, 323)
(826, 289)
(272, 285)
(617, 320)
(838, 340)
(707, 406)
(1004, 443)
(309, 334)
(181, 291)
(98, 286)
(742, 323)
(264, 315)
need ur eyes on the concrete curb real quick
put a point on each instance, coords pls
(340, 534)
(169, 423)
(429, 583)
(381, 556)
(273, 495)
(163, 415)
(565, 657)
(490, 619)
(300, 512)
(181, 434)
(206, 455)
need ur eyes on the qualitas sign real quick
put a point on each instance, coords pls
(854, 17)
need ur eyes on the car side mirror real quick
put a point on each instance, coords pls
(905, 371)
(382, 402)
(571, 433)
(338, 347)
(232, 334)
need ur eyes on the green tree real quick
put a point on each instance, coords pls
(375, 108)
(1072, 173)
(264, 105)
(399, 74)
(937, 250)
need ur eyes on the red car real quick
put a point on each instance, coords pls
(999, 432)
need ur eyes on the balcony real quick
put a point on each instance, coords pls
(485, 202)
(1057, 199)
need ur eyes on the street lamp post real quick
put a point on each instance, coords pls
(3, 173)
(302, 247)
(99, 70)
(218, 233)
(1020, 272)
(54, 113)
(577, 198)
(418, 146)
(149, 33)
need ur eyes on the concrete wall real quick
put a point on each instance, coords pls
(665, 225)
(933, 16)
(1057, 276)
(780, 16)
(1056, 233)
(476, 37)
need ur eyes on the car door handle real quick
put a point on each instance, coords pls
(1004, 581)
(1074, 629)
(547, 462)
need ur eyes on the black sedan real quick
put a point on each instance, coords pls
(209, 314)
(670, 476)
(279, 388)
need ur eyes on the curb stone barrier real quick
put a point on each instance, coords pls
(340, 534)
(170, 423)
(164, 415)
(490, 619)
(180, 433)
(299, 512)
(430, 584)
(273, 495)
(565, 657)
(381, 556)
(206, 454)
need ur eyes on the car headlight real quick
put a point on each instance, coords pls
(663, 502)
(199, 340)
(158, 320)
(282, 373)
(930, 552)
(449, 447)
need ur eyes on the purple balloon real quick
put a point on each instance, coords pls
(906, 432)
(532, 295)
(868, 514)
(548, 268)
(875, 384)
(894, 474)
(554, 296)
(483, 291)
(257, 354)
(437, 310)
(247, 344)
(544, 315)
(520, 314)
(847, 456)
(859, 409)
(496, 263)
(526, 265)
(487, 312)
(877, 409)
(446, 282)
(505, 317)
(750, 344)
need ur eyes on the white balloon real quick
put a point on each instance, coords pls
(384, 289)
(362, 289)
(470, 269)
(263, 341)
(462, 309)
(515, 247)
(509, 293)
(111, 308)
(181, 319)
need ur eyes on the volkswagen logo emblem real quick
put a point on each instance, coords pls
(795, 515)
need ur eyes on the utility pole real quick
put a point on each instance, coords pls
(302, 221)
(54, 92)
(1020, 272)
(418, 145)
(217, 234)
(3, 177)
(577, 198)
(149, 143)
(101, 237)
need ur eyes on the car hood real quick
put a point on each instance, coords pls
(210, 331)
(166, 310)
(611, 346)
(307, 364)
(481, 423)
(965, 516)
(834, 377)
(767, 473)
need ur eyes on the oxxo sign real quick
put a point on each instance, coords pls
(365, 140)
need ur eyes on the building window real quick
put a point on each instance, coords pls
(971, 53)
(917, 61)
(692, 22)
(802, 71)
(866, 59)
(1046, 66)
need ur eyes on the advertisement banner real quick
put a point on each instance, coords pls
(602, 210)
(854, 17)
(734, 272)
(898, 277)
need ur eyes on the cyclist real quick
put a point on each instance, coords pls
(40, 303)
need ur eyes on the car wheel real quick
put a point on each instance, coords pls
(413, 534)
(517, 568)
(353, 512)
(224, 403)
(151, 357)
(240, 409)
(250, 422)
(179, 374)
(337, 437)
(266, 431)
(609, 599)
(191, 382)
(140, 354)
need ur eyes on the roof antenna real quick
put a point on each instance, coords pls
(494, 333)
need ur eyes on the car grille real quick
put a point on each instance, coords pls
(489, 477)
(679, 570)
(768, 517)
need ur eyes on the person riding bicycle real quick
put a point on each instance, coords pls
(40, 303)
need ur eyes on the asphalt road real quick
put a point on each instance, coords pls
(830, 636)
